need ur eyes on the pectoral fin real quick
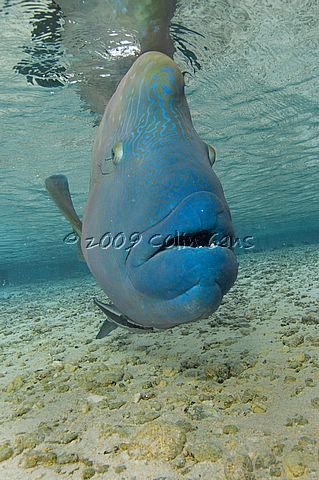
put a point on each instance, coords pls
(58, 189)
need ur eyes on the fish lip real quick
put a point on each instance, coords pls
(210, 219)
(194, 238)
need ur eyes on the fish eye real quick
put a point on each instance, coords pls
(211, 154)
(117, 153)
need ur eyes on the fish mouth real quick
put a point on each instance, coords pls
(200, 239)
(201, 220)
(187, 248)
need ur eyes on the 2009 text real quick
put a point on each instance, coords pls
(120, 241)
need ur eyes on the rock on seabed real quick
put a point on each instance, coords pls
(157, 442)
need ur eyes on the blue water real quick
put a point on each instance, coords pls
(253, 93)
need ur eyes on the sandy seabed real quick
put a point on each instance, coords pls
(234, 397)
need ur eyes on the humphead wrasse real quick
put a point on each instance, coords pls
(156, 209)
(155, 205)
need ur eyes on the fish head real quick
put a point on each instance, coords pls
(154, 188)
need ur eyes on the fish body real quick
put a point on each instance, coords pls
(152, 179)
(156, 209)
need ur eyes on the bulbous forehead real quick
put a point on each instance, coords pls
(153, 73)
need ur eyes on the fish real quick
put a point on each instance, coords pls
(156, 213)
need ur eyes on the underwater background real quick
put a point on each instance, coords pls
(233, 397)
(252, 86)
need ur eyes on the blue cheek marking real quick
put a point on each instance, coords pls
(170, 74)
(166, 90)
